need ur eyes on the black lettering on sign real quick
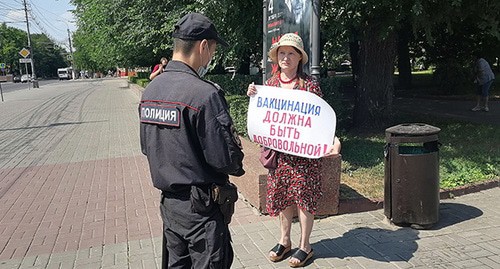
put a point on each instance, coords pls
(160, 114)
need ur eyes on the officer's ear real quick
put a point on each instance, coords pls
(204, 45)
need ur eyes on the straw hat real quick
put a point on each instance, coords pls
(289, 39)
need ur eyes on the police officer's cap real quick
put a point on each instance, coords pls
(195, 26)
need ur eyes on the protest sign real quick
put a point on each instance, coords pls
(291, 121)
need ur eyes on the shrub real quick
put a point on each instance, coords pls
(332, 94)
(234, 86)
(238, 108)
(143, 82)
(452, 78)
(132, 79)
(239, 102)
(143, 75)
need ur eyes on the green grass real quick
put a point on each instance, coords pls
(469, 154)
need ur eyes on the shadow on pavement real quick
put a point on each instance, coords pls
(376, 244)
(388, 245)
(452, 213)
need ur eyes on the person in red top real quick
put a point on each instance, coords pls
(158, 69)
(296, 180)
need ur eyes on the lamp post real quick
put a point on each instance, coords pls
(315, 59)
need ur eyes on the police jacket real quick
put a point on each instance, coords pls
(186, 131)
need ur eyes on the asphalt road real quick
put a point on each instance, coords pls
(11, 86)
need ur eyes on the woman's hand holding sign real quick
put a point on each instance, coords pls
(333, 150)
(251, 90)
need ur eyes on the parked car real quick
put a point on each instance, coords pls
(25, 78)
(16, 79)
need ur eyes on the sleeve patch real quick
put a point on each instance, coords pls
(160, 114)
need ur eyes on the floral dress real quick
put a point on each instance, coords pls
(296, 180)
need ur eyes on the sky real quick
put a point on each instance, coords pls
(52, 17)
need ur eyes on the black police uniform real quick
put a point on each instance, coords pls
(189, 140)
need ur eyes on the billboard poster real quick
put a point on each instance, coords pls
(288, 16)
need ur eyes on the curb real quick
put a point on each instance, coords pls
(463, 190)
(364, 204)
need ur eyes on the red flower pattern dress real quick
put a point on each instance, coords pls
(296, 180)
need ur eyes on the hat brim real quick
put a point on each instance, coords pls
(222, 41)
(217, 39)
(273, 52)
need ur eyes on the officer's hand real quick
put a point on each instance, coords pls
(251, 90)
(239, 173)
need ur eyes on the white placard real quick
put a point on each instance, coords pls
(291, 121)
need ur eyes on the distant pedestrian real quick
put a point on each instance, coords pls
(191, 144)
(159, 68)
(484, 79)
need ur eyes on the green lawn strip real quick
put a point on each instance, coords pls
(469, 154)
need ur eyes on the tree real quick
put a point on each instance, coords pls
(47, 56)
(137, 33)
(372, 28)
(12, 40)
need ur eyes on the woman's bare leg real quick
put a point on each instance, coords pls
(306, 220)
(286, 217)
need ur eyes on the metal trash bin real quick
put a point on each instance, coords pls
(411, 185)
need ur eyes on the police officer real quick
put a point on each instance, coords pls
(189, 140)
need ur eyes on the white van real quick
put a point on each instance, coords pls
(64, 73)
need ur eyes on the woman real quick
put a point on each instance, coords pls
(296, 180)
(159, 68)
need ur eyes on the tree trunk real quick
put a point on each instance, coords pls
(245, 65)
(404, 65)
(354, 53)
(374, 91)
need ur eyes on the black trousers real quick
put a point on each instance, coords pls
(194, 229)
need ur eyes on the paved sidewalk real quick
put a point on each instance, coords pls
(75, 192)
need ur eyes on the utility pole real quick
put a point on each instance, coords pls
(33, 76)
(73, 66)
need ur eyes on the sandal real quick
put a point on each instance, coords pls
(302, 256)
(280, 251)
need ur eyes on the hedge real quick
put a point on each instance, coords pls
(238, 101)
(236, 87)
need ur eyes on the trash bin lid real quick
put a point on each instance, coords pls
(412, 129)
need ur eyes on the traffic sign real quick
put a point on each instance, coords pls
(24, 52)
(2, 65)
(25, 60)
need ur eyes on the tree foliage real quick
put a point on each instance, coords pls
(12, 40)
(449, 31)
(47, 56)
(137, 33)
